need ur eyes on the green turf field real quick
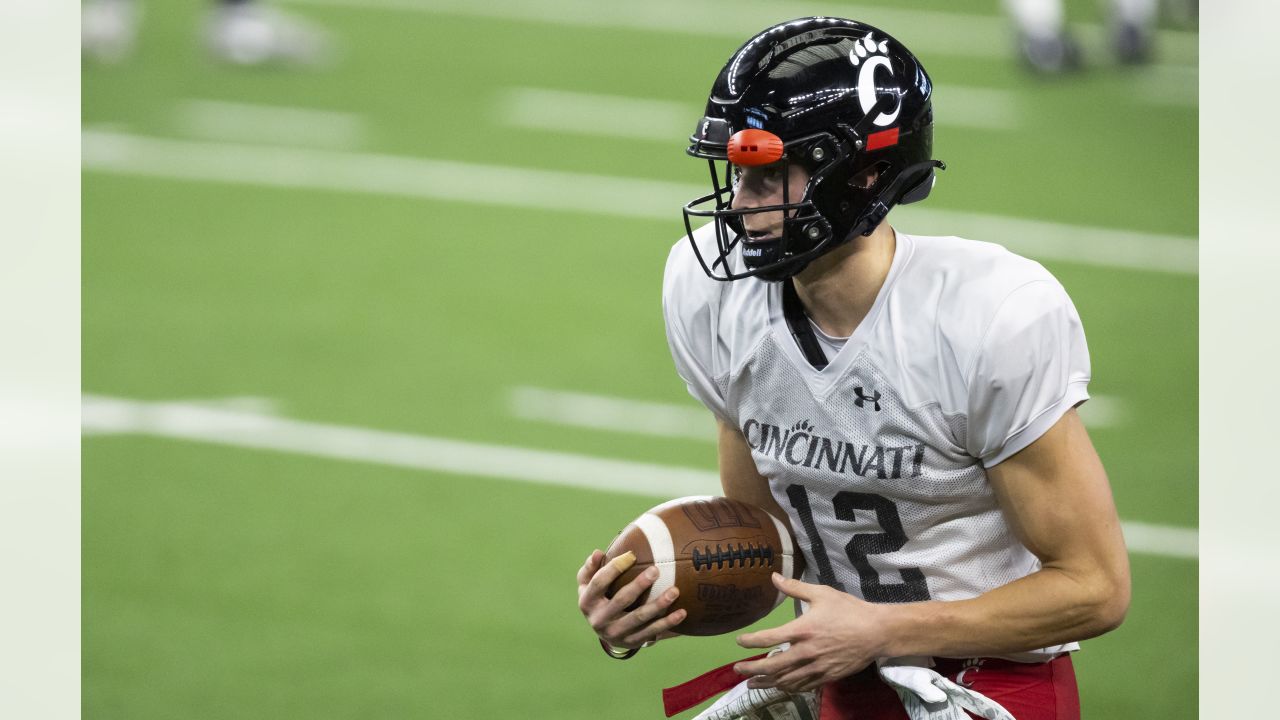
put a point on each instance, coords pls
(229, 582)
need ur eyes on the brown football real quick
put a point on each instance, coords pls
(719, 552)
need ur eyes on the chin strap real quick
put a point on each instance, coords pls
(801, 330)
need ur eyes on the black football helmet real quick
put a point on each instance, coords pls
(843, 99)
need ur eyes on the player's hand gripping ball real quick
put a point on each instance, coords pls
(719, 552)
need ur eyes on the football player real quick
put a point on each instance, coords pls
(238, 32)
(908, 403)
(1048, 47)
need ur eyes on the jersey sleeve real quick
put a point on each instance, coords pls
(690, 310)
(1032, 366)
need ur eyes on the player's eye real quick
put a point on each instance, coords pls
(768, 177)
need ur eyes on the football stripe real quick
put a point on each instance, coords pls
(679, 501)
(664, 552)
(788, 558)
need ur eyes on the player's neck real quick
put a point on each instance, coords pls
(839, 288)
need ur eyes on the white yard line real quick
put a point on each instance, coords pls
(1170, 85)
(977, 108)
(1104, 411)
(251, 404)
(939, 32)
(238, 428)
(926, 32)
(685, 421)
(604, 412)
(269, 124)
(1161, 539)
(1053, 241)
(564, 111)
(535, 189)
(378, 174)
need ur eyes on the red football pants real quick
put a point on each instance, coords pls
(1030, 691)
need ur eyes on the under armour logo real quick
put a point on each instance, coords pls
(863, 399)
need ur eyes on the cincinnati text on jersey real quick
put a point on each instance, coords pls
(798, 445)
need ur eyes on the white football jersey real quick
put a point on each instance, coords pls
(968, 355)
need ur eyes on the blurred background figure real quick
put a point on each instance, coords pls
(240, 32)
(1047, 46)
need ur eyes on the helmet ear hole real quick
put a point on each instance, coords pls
(868, 176)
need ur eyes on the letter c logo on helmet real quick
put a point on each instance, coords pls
(867, 88)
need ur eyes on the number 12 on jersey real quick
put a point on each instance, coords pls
(913, 587)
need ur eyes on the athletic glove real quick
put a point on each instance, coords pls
(926, 695)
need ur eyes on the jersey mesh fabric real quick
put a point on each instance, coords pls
(888, 497)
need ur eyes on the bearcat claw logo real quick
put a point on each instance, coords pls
(869, 56)
(802, 446)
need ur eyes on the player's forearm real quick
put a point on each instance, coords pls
(1048, 607)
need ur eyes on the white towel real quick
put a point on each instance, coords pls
(926, 695)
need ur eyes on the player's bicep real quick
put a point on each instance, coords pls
(1057, 500)
(739, 477)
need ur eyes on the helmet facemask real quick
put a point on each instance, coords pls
(804, 232)
(822, 215)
